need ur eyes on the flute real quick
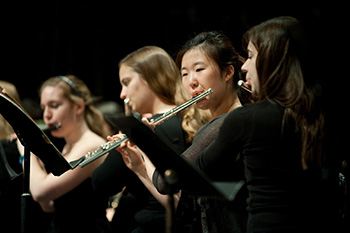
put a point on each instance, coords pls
(181, 107)
(240, 83)
(105, 148)
(127, 109)
(48, 129)
(102, 150)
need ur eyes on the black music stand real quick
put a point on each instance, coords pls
(33, 140)
(7, 174)
(177, 171)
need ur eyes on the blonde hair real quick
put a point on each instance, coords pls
(162, 75)
(75, 89)
(5, 128)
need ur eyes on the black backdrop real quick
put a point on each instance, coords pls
(88, 38)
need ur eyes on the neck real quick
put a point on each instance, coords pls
(161, 107)
(226, 107)
(75, 135)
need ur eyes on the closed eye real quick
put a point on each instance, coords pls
(125, 82)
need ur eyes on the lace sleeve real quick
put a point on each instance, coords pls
(204, 136)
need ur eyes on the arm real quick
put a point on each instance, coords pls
(45, 187)
(219, 159)
(137, 161)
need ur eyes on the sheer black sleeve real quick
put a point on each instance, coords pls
(219, 159)
(204, 136)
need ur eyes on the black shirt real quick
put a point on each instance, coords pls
(143, 209)
(280, 192)
(215, 215)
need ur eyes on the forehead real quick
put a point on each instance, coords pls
(126, 71)
(195, 55)
(251, 47)
(50, 93)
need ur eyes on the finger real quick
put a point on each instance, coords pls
(131, 144)
(126, 157)
(148, 123)
(122, 146)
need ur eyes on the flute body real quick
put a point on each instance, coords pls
(102, 150)
(107, 147)
(181, 107)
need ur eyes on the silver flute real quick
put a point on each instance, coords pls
(107, 147)
(48, 129)
(240, 83)
(181, 107)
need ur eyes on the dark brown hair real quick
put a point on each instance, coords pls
(282, 80)
(220, 49)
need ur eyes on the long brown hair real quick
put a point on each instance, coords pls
(75, 89)
(159, 70)
(282, 80)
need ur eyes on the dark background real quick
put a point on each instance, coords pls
(41, 39)
(88, 38)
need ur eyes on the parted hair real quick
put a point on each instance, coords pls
(218, 46)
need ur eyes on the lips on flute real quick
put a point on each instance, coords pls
(55, 127)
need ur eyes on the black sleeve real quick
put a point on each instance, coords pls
(204, 136)
(112, 175)
(219, 159)
(171, 132)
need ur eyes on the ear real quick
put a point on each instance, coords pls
(229, 72)
(80, 106)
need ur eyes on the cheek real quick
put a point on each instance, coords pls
(186, 85)
(65, 113)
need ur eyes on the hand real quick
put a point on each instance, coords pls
(133, 157)
(145, 120)
(120, 135)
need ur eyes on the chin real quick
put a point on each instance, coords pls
(202, 105)
(56, 134)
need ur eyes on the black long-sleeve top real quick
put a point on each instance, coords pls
(216, 215)
(112, 175)
(280, 192)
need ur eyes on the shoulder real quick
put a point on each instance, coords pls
(256, 110)
(264, 116)
(88, 142)
(170, 126)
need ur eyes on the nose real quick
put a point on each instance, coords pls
(193, 81)
(47, 114)
(123, 93)
(244, 67)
